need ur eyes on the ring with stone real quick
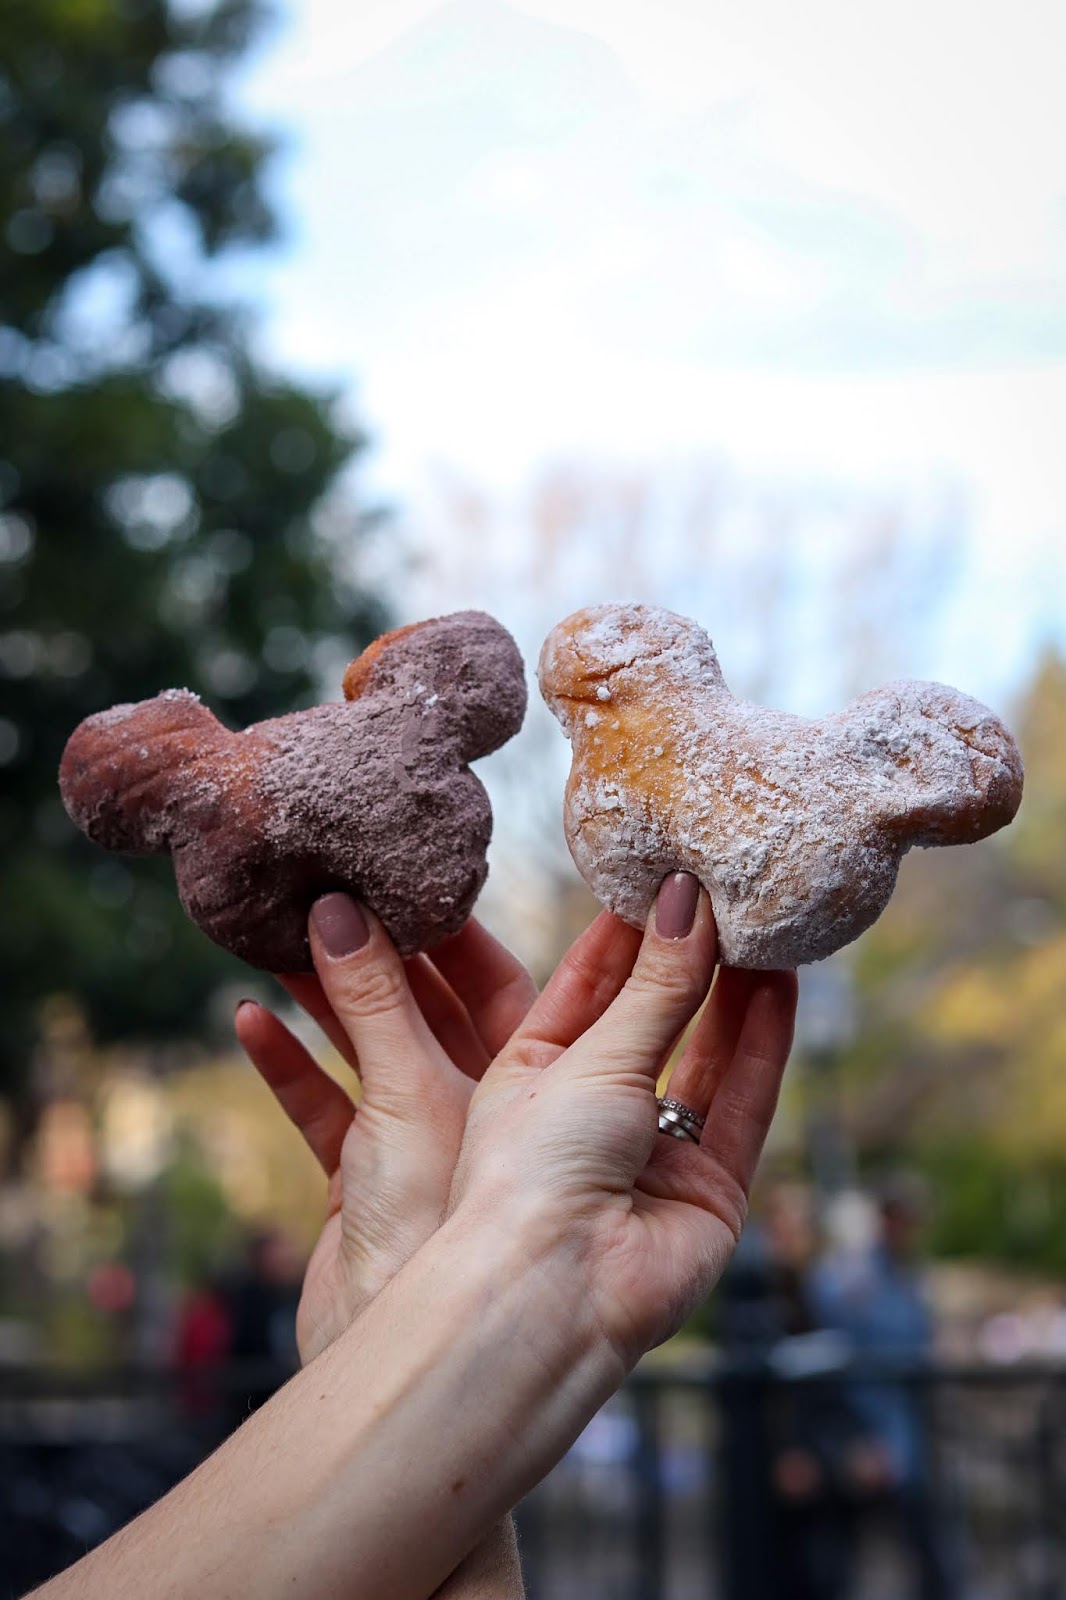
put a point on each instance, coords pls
(679, 1121)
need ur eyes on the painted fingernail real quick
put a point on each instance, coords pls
(675, 906)
(340, 925)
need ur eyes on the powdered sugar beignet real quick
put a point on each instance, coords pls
(795, 826)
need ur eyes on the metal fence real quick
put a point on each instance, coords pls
(666, 1496)
(670, 1495)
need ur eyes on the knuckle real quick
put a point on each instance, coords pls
(531, 1054)
(520, 990)
(592, 980)
(369, 990)
(515, 996)
(665, 982)
(731, 1205)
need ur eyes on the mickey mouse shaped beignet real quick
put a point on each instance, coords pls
(372, 795)
(795, 826)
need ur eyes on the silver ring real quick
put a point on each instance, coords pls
(679, 1121)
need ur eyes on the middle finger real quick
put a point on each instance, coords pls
(448, 1018)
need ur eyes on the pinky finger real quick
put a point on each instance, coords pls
(309, 1097)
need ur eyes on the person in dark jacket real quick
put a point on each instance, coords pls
(262, 1309)
(877, 1300)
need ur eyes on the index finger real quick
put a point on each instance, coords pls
(669, 982)
(587, 979)
(491, 983)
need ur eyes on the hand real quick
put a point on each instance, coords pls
(562, 1129)
(418, 1034)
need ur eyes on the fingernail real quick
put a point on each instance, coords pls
(247, 1001)
(675, 905)
(340, 925)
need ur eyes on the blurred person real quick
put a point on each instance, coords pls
(261, 1302)
(494, 1260)
(747, 1324)
(876, 1298)
(810, 1427)
(203, 1341)
(785, 1433)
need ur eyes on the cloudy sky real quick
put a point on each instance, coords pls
(821, 242)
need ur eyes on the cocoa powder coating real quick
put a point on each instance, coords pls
(373, 795)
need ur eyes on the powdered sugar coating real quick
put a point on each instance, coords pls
(795, 826)
(373, 795)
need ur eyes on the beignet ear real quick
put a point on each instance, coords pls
(944, 768)
(125, 772)
(614, 653)
(466, 666)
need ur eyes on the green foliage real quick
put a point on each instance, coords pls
(1036, 839)
(958, 1057)
(170, 513)
(990, 1206)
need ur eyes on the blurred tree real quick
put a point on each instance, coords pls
(958, 1062)
(1035, 841)
(166, 515)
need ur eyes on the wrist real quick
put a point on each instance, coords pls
(521, 1243)
(466, 1372)
(516, 1288)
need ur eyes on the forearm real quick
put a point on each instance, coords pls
(477, 1391)
(377, 1469)
(492, 1570)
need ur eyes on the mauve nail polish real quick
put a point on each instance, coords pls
(340, 925)
(675, 905)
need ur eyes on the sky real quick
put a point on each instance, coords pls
(822, 245)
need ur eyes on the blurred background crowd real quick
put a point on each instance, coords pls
(320, 320)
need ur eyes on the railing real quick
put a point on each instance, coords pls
(668, 1495)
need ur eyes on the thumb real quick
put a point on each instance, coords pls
(364, 981)
(669, 982)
